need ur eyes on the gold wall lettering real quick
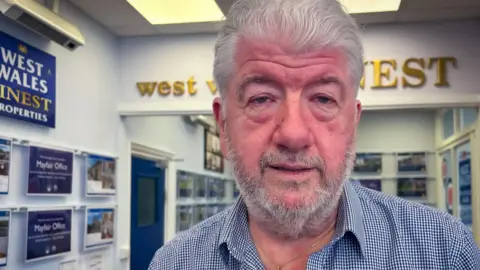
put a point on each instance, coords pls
(379, 74)
(411, 73)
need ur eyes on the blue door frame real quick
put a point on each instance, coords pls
(147, 212)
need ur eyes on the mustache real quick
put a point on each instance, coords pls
(294, 158)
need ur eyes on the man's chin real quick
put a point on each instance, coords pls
(294, 200)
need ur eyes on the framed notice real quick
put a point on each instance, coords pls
(413, 187)
(101, 176)
(5, 158)
(464, 184)
(368, 163)
(185, 184)
(375, 184)
(49, 234)
(4, 236)
(99, 227)
(49, 171)
(411, 162)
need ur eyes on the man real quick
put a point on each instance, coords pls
(288, 73)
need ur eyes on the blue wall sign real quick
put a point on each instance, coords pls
(49, 233)
(50, 171)
(27, 82)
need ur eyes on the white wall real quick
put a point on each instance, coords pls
(172, 58)
(86, 120)
(174, 135)
(395, 131)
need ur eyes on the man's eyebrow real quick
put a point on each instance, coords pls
(329, 79)
(252, 79)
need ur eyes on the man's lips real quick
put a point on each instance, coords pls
(290, 168)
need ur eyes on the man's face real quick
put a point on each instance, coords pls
(290, 126)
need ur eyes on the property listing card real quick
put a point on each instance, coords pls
(49, 171)
(100, 227)
(101, 174)
(5, 157)
(4, 236)
(48, 233)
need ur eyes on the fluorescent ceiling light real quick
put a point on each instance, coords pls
(370, 6)
(159, 12)
(177, 11)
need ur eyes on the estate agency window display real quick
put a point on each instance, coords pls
(410, 173)
(49, 172)
(200, 197)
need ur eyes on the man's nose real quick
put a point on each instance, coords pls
(293, 133)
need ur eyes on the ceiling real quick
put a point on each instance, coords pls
(123, 20)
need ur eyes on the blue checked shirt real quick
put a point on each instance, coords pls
(374, 231)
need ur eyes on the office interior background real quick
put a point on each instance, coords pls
(138, 92)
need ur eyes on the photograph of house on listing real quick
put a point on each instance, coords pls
(101, 174)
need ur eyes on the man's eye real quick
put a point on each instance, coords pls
(323, 100)
(260, 100)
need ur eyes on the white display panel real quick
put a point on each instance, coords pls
(99, 227)
(101, 175)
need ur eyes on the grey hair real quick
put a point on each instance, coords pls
(309, 25)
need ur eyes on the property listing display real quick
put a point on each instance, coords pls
(368, 163)
(5, 157)
(100, 225)
(201, 196)
(213, 154)
(49, 171)
(27, 82)
(375, 184)
(101, 174)
(4, 236)
(413, 187)
(48, 233)
(464, 184)
(447, 181)
(411, 162)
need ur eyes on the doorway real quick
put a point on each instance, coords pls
(147, 210)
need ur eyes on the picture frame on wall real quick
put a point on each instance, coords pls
(49, 233)
(50, 172)
(5, 165)
(412, 187)
(200, 187)
(213, 157)
(368, 163)
(414, 162)
(99, 227)
(199, 213)
(4, 236)
(100, 176)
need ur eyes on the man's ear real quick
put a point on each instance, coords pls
(220, 119)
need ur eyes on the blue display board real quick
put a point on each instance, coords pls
(464, 184)
(27, 82)
(4, 236)
(5, 158)
(100, 225)
(101, 175)
(50, 171)
(49, 233)
(375, 184)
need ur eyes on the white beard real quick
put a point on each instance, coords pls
(304, 219)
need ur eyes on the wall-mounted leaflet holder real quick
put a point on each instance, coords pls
(24, 209)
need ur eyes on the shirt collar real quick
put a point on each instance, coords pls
(235, 235)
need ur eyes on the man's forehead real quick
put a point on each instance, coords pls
(282, 52)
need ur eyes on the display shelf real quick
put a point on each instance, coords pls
(200, 196)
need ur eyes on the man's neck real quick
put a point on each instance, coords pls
(276, 250)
